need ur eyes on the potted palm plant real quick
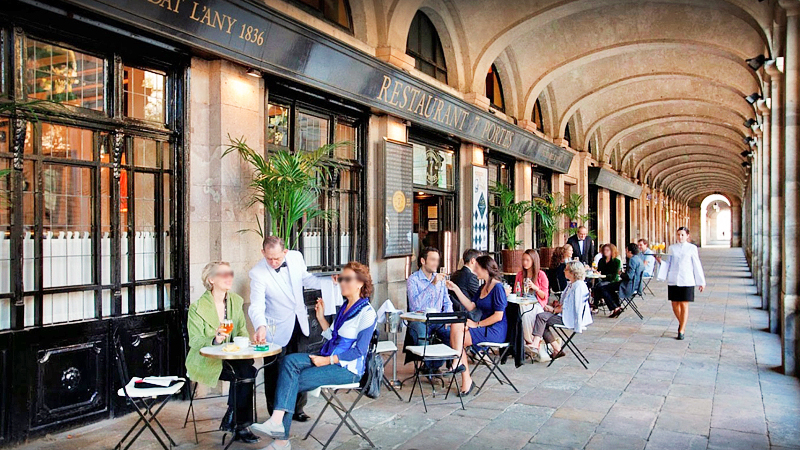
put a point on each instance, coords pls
(572, 211)
(550, 210)
(288, 184)
(510, 214)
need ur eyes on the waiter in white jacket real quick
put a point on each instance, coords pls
(683, 272)
(276, 292)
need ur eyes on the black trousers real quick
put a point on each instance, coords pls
(609, 292)
(242, 368)
(272, 370)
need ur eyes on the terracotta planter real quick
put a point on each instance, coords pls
(545, 255)
(512, 260)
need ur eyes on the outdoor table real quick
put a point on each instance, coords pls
(515, 325)
(594, 276)
(216, 352)
(414, 316)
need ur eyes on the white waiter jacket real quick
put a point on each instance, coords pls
(682, 267)
(270, 296)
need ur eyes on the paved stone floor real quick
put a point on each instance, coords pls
(718, 389)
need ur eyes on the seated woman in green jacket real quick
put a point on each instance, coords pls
(609, 266)
(204, 327)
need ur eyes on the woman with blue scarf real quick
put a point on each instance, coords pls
(341, 361)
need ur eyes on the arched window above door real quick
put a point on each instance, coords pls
(536, 115)
(494, 89)
(424, 45)
(334, 11)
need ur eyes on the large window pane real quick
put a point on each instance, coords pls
(433, 167)
(145, 225)
(67, 142)
(67, 244)
(277, 126)
(346, 133)
(105, 226)
(167, 234)
(312, 132)
(5, 229)
(143, 92)
(28, 222)
(65, 76)
(145, 152)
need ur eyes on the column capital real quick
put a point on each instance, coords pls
(774, 72)
(762, 107)
(792, 7)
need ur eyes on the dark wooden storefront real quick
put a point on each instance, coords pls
(57, 369)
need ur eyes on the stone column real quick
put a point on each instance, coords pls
(603, 216)
(756, 164)
(764, 162)
(773, 130)
(791, 185)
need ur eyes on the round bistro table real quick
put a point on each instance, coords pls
(216, 352)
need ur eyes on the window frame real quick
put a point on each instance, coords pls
(495, 76)
(300, 101)
(109, 128)
(320, 13)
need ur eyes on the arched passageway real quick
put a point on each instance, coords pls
(715, 224)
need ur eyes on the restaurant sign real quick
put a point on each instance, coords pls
(613, 182)
(250, 33)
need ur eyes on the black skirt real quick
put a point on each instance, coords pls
(680, 293)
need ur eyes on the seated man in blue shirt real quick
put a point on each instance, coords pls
(427, 293)
(649, 258)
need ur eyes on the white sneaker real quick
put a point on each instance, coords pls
(271, 429)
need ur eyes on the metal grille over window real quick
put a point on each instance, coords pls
(327, 245)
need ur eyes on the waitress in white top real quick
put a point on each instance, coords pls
(683, 272)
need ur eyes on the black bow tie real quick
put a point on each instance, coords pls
(281, 267)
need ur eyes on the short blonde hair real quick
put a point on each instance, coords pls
(577, 269)
(209, 271)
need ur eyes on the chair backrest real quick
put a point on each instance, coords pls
(122, 366)
(446, 318)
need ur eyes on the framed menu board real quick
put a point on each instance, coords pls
(398, 218)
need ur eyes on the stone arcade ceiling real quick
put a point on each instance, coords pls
(656, 87)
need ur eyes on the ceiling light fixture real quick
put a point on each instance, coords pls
(757, 62)
(750, 123)
(752, 98)
(747, 153)
(746, 165)
(255, 73)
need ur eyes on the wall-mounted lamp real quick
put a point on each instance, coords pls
(752, 98)
(255, 73)
(746, 165)
(747, 153)
(757, 62)
(749, 141)
(750, 123)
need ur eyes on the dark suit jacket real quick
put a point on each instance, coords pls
(632, 277)
(469, 284)
(589, 249)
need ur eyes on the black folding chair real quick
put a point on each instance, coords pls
(646, 280)
(630, 302)
(390, 349)
(192, 390)
(490, 354)
(561, 331)
(329, 393)
(437, 352)
(147, 402)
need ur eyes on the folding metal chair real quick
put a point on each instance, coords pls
(329, 393)
(561, 331)
(147, 402)
(646, 280)
(437, 352)
(390, 349)
(631, 302)
(490, 354)
(192, 391)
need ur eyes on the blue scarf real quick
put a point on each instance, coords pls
(341, 318)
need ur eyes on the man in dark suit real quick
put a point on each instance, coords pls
(582, 246)
(467, 281)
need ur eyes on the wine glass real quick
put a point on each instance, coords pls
(227, 325)
(525, 289)
(271, 326)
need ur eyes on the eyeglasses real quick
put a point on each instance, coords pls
(342, 279)
(228, 274)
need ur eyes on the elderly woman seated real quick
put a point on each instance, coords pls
(342, 359)
(573, 312)
(205, 328)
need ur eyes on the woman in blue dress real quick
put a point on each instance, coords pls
(491, 301)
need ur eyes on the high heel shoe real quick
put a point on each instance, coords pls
(469, 391)
(680, 336)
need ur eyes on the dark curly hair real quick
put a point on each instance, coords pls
(362, 274)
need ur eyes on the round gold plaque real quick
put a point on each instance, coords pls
(399, 201)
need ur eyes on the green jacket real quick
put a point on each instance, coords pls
(202, 327)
